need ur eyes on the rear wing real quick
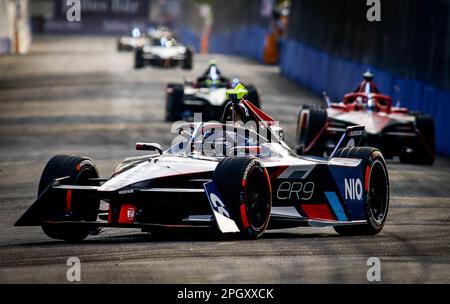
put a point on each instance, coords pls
(352, 137)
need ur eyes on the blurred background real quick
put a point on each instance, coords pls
(66, 88)
(323, 45)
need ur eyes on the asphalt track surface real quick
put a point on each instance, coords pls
(79, 95)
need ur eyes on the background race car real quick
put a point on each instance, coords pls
(161, 49)
(129, 43)
(221, 176)
(206, 95)
(394, 130)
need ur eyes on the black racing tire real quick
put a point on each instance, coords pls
(424, 151)
(377, 192)
(120, 46)
(139, 62)
(253, 95)
(174, 101)
(78, 169)
(188, 60)
(245, 186)
(311, 120)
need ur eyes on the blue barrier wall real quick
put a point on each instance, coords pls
(248, 41)
(320, 72)
(189, 38)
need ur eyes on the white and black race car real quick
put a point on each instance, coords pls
(164, 51)
(206, 95)
(234, 178)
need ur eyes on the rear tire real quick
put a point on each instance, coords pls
(174, 101)
(310, 121)
(253, 96)
(245, 186)
(78, 169)
(424, 152)
(377, 197)
(139, 58)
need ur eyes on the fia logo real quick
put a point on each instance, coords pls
(353, 188)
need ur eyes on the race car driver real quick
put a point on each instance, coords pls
(367, 85)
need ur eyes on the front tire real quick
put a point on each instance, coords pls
(65, 206)
(424, 151)
(188, 60)
(376, 187)
(245, 186)
(139, 58)
(174, 101)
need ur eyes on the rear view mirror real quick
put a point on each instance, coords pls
(149, 147)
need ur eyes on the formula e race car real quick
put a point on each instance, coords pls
(395, 131)
(163, 51)
(232, 177)
(206, 95)
(129, 43)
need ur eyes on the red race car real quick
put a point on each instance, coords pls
(394, 130)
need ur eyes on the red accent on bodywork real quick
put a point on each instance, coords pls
(68, 200)
(304, 117)
(399, 110)
(245, 223)
(257, 111)
(317, 211)
(349, 100)
(266, 174)
(366, 179)
(124, 216)
(278, 171)
(243, 182)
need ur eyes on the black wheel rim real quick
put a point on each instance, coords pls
(378, 192)
(257, 198)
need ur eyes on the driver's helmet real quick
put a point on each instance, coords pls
(212, 77)
(368, 75)
(212, 71)
(136, 32)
